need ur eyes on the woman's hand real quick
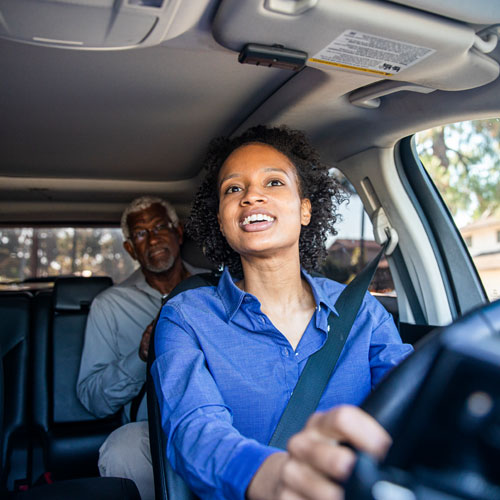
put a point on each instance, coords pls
(317, 462)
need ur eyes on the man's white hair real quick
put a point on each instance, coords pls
(142, 203)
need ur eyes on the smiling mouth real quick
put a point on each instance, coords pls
(157, 251)
(256, 218)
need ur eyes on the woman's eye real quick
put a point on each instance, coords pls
(232, 189)
(275, 182)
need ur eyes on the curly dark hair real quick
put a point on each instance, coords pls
(315, 183)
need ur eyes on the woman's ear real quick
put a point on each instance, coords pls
(305, 211)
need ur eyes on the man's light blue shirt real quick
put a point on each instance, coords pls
(224, 375)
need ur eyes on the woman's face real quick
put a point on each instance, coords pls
(260, 209)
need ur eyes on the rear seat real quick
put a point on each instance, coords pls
(45, 428)
(14, 338)
(71, 436)
(14, 348)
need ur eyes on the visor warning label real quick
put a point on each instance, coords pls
(370, 53)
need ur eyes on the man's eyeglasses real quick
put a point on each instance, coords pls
(141, 234)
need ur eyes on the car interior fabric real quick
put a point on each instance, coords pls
(94, 488)
(64, 433)
(71, 304)
(15, 321)
(14, 348)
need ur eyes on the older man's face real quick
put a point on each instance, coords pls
(155, 242)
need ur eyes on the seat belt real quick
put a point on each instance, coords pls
(168, 484)
(320, 366)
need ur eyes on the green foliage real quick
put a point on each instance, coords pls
(463, 160)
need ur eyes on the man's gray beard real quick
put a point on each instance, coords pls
(161, 268)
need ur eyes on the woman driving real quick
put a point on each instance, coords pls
(229, 356)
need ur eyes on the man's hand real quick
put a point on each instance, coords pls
(317, 462)
(144, 347)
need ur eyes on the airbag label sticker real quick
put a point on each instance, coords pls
(370, 53)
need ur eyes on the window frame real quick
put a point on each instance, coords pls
(463, 285)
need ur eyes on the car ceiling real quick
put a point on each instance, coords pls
(84, 131)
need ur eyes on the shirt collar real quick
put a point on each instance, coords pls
(232, 297)
(321, 297)
(230, 294)
(143, 285)
(138, 280)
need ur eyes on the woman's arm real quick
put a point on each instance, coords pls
(386, 347)
(203, 446)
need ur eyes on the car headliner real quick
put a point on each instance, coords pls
(82, 132)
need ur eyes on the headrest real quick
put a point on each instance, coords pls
(192, 254)
(15, 318)
(76, 294)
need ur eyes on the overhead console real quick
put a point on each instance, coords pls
(97, 24)
(385, 40)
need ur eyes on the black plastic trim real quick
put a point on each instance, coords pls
(411, 295)
(462, 283)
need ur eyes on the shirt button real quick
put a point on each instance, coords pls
(285, 352)
(319, 307)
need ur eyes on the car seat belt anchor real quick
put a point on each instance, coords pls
(382, 231)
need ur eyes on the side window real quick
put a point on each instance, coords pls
(354, 246)
(30, 254)
(463, 160)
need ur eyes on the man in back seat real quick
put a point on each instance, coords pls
(113, 364)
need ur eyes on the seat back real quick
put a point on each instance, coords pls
(71, 304)
(168, 484)
(14, 348)
(70, 435)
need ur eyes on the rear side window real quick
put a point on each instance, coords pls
(354, 246)
(463, 160)
(29, 253)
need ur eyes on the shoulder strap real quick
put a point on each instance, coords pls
(319, 367)
(194, 281)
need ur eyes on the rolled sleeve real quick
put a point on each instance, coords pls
(386, 348)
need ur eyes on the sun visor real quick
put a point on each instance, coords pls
(97, 24)
(379, 39)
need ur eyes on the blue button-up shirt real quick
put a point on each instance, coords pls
(224, 375)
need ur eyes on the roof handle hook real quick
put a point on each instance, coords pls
(488, 45)
(383, 231)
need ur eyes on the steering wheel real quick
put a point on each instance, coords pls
(442, 408)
